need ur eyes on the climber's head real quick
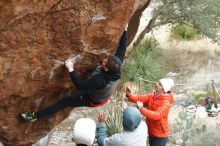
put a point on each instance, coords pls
(111, 63)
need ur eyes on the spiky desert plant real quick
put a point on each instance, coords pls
(114, 121)
(145, 67)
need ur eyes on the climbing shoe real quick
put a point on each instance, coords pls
(28, 116)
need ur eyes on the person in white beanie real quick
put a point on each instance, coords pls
(167, 84)
(84, 132)
(155, 106)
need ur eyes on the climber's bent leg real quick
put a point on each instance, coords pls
(79, 99)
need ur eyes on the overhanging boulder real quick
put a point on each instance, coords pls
(35, 37)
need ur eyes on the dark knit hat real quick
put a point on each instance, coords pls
(113, 63)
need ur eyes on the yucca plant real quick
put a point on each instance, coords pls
(114, 121)
(114, 113)
(145, 68)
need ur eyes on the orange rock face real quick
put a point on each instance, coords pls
(35, 38)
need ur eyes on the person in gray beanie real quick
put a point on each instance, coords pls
(134, 130)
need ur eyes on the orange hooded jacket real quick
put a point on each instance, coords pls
(156, 112)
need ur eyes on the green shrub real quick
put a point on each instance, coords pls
(113, 111)
(114, 121)
(114, 114)
(182, 31)
(145, 65)
(200, 96)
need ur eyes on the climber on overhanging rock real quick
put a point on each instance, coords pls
(92, 92)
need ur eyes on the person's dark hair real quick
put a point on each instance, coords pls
(113, 63)
(81, 145)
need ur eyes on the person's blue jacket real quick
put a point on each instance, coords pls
(134, 134)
